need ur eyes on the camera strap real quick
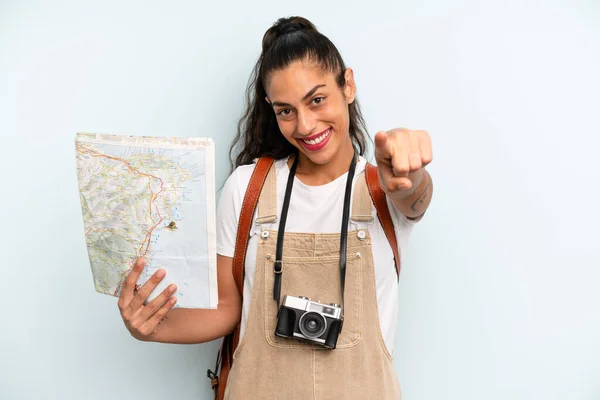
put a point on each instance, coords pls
(278, 268)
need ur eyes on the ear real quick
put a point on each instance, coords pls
(350, 86)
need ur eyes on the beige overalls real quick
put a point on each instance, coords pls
(269, 367)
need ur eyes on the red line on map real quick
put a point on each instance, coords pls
(144, 247)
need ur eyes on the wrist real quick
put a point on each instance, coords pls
(416, 179)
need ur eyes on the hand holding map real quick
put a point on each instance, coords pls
(142, 321)
(153, 198)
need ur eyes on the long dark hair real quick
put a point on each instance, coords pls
(288, 40)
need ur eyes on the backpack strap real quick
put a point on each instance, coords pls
(230, 342)
(383, 212)
(263, 165)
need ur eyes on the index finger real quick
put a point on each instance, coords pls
(127, 293)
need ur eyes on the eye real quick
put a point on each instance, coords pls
(284, 112)
(318, 100)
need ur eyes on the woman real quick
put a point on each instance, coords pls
(302, 111)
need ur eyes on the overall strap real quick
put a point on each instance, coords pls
(383, 212)
(267, 202)
(230, 342)
(362, 210)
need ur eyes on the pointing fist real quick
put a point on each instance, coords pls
(401, 154)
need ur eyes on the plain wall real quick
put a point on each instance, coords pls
(500, 290)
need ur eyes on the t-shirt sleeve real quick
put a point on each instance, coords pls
(228, 212)
(403, 227)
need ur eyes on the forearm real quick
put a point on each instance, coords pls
(191, 326)
(413, 202)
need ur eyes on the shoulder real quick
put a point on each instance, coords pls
(229, 208)
(234, 188)
(241, 175)
(361, 165)
(237, 183)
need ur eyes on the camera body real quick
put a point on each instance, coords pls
(304, 319)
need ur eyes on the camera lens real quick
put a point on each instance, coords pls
(312, 324)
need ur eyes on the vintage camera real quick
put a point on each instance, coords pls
(302, 318)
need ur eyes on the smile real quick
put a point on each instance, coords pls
(318, 139)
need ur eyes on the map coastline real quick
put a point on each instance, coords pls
(150, 197)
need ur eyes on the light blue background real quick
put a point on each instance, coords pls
(499, 293)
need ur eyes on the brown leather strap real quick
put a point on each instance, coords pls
(248, 207)
(230, 342)
(383, 212)
(226, 358)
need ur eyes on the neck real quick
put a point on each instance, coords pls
(314, 174)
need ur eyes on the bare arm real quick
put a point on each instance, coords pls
(157, 323)
(414, 202)
(402, 155)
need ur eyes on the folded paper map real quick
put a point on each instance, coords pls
(155, 198)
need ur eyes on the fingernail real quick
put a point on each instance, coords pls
(172, 288)
(160, 273)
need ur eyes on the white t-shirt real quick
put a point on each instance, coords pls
(312, 207)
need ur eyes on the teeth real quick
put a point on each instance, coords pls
(319, 139)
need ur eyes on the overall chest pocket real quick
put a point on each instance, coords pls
(319, 279)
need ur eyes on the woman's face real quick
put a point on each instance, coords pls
(312, 110)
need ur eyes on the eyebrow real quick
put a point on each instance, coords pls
(306, 96)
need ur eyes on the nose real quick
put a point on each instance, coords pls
(306, 122)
